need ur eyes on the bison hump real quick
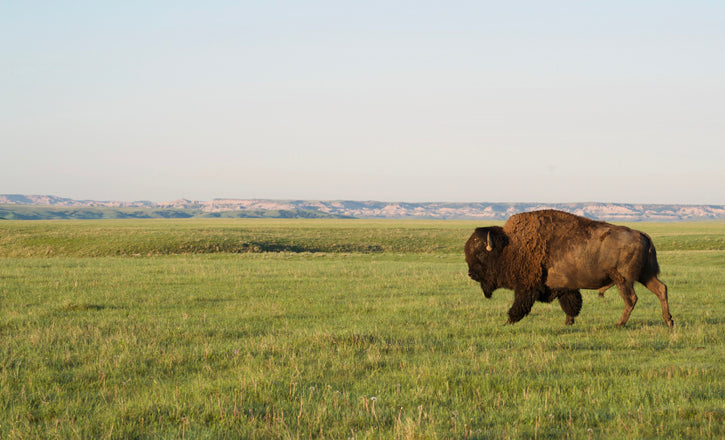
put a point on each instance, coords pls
(531, 235)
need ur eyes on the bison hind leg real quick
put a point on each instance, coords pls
(571, 303)
(604, 289)
(660, 289)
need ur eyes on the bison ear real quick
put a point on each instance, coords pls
(489, 242)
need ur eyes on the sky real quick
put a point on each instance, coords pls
(459, 101)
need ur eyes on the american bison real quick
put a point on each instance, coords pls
(549, 254)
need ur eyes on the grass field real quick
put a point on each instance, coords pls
(338, 329)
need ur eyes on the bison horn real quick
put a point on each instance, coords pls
(489, 243)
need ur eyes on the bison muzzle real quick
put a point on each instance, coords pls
(547, 255)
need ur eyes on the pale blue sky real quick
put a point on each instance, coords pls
(522, 101)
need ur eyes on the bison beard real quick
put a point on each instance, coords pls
(547, 255)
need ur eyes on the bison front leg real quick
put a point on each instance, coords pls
(571, 303)
(523, 301)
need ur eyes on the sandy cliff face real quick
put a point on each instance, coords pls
(432, 210)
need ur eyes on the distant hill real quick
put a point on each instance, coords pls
(49, 207)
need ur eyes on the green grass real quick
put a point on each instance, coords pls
(338, 329)
(169, 237)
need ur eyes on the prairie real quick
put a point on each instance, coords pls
(261, 329)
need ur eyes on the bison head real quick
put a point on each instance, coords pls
(483, 250)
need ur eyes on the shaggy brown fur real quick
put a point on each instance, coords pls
(547, 255)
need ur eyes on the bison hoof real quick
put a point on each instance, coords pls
(569, 320)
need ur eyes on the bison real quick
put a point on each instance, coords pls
(549, 254)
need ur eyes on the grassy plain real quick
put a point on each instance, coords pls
(338, 329)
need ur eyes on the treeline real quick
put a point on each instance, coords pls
(24, 212)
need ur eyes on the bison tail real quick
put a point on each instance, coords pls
(652, 267)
